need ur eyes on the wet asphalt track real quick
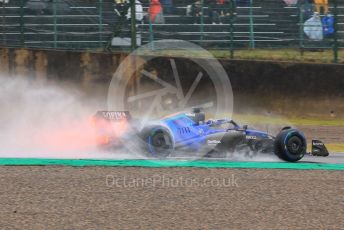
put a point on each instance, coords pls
(334, 158)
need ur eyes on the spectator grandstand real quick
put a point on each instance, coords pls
(90, 24)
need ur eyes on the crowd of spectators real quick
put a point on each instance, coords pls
(215, 10)
(320, 6)
(158, 8)
(319, 22)
(317, 18)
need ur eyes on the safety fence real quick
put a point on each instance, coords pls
(225, 25)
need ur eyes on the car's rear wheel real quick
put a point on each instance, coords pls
(158, 140)
(290, 145)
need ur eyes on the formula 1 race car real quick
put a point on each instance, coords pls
(192, 132)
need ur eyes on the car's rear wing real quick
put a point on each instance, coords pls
(110, 126)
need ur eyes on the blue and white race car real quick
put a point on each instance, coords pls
(191, 132)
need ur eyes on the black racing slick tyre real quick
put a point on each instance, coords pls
(158, 141)
(290, 145)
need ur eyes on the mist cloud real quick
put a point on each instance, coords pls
(44, 120)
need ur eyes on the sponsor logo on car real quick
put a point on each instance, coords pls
(251, 137)
(114, 115)
(318, 144)
(213, 142)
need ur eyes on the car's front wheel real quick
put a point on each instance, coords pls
(290, 145)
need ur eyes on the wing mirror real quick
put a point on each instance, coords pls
(244, 127)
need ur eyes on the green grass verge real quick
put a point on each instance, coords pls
(275, 120)
(268, 54)
(292, 55)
